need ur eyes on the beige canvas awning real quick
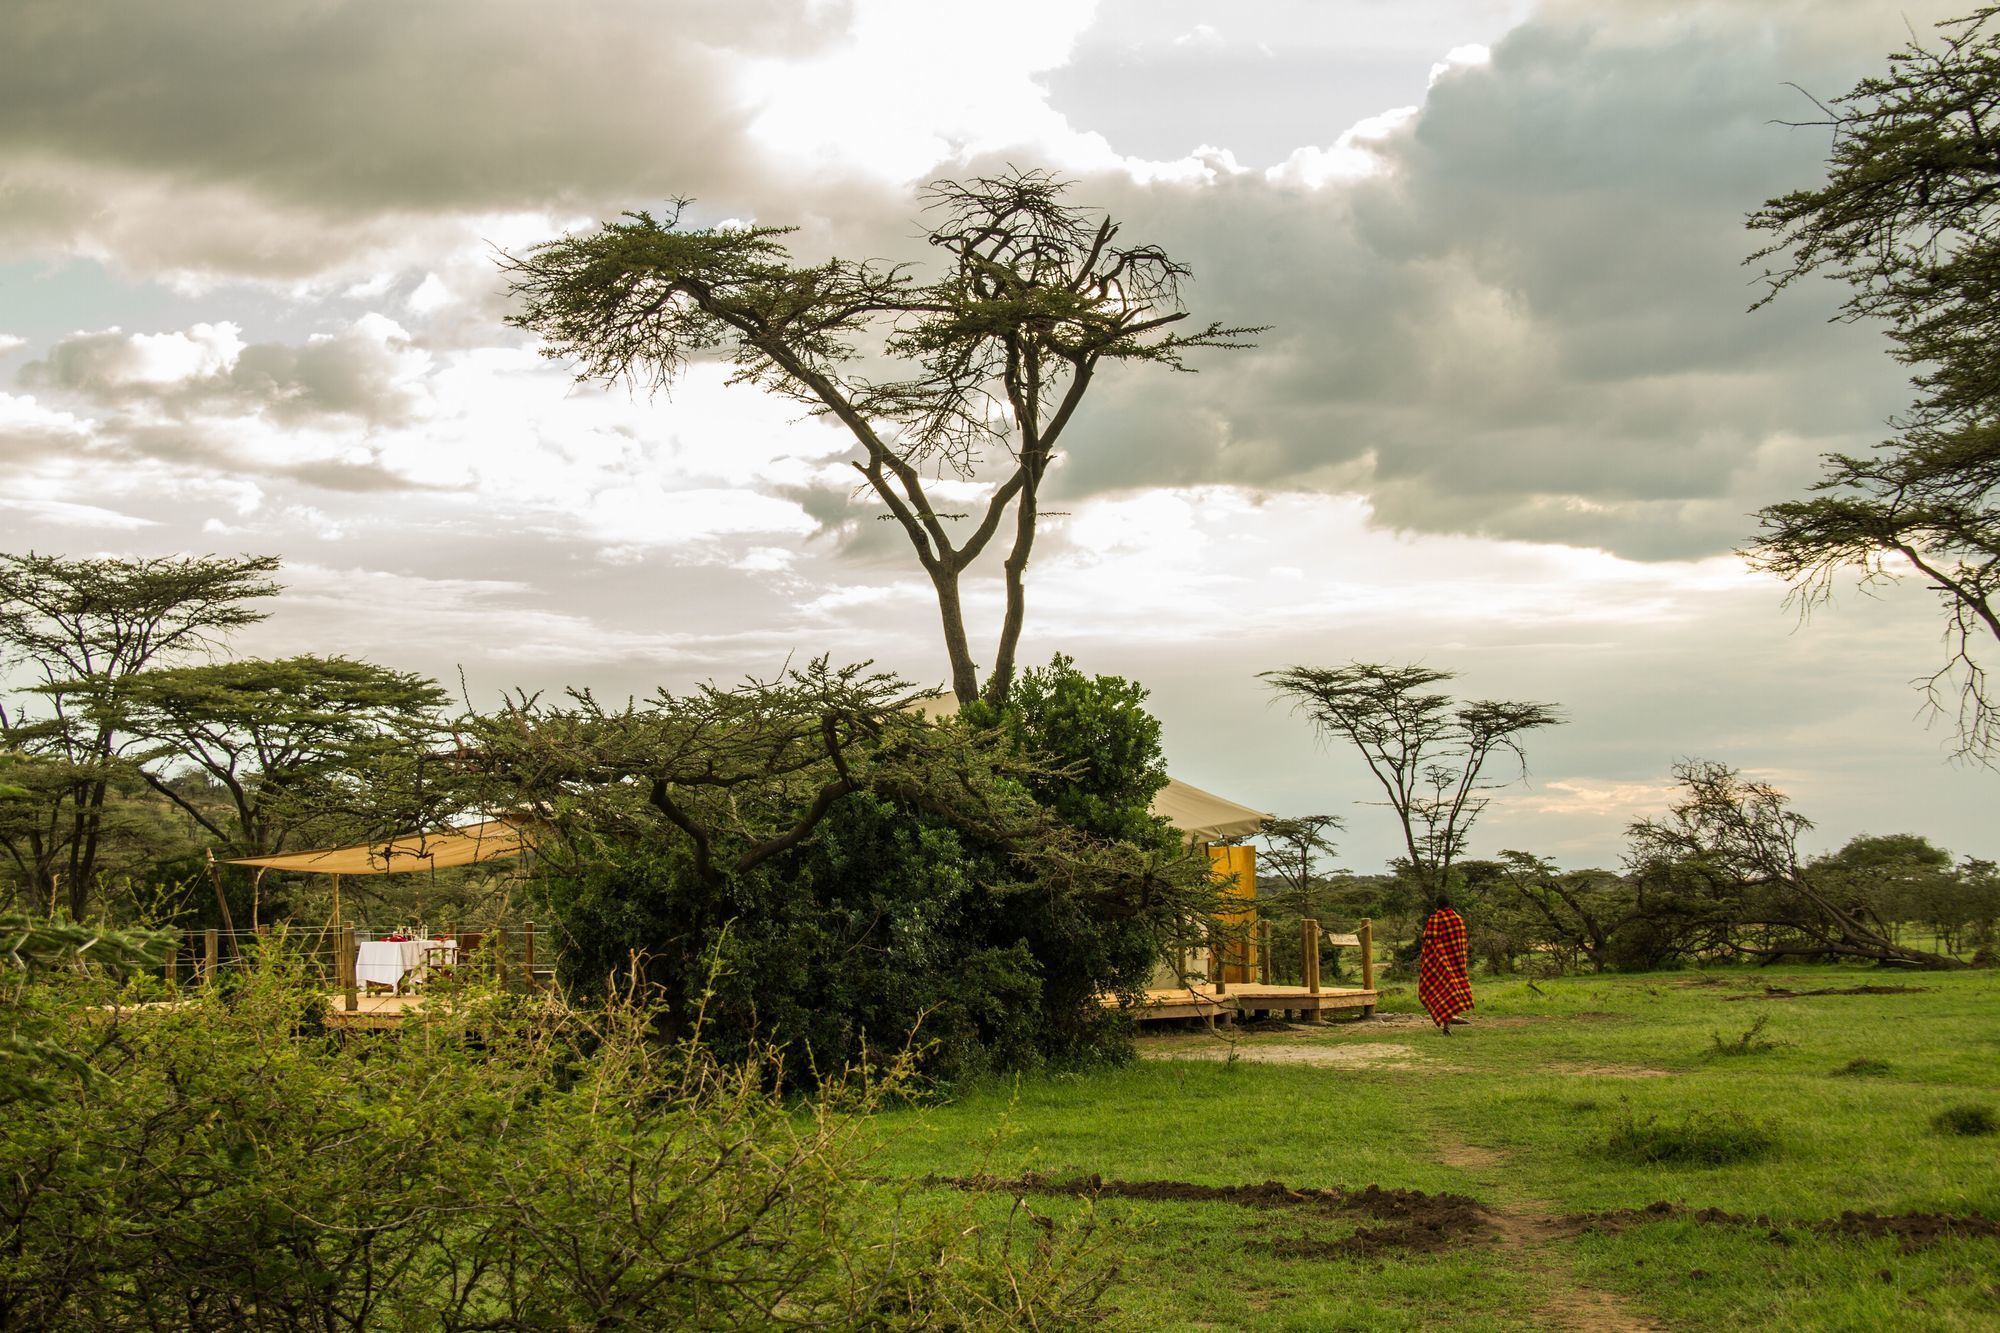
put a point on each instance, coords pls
(1202, 815)
(493, 840)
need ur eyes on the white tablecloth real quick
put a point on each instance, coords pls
(387, 962)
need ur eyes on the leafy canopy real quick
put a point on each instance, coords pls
(1909, 220)
(987, 360)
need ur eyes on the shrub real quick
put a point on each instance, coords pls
(1862, 1067)
(498, 1163)
(1751, 1041)
(985, 943)
(1968, 1120)
(1704, 1138)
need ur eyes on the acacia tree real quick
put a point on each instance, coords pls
(1427, 751)
(279, 737)
(1909, 218)
(82, 629)
(1293, 849)
(742, 774)
(1036, 298)
(1741, 839)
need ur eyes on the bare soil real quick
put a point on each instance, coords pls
(1400, 1221)
(1914, 1230)
(1780, 993)
(1332, 1055)
(1526, 1230)
(1592, 1069)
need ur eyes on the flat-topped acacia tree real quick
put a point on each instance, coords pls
(984, 364)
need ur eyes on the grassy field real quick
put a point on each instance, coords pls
(1559, 1103)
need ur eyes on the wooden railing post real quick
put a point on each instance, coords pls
(1264, 952)
(211, 950)
(344, 968)
(1309, 953)
(1367, 937)
(528, 954)
(500, 955)
(1218, 967)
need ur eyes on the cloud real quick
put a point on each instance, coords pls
(374, 106)
(1519, 310)
(365, 371)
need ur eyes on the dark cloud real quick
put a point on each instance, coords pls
(361, 106)
(282, 139)
(1533, 323)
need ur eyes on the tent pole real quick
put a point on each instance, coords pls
(336, 902)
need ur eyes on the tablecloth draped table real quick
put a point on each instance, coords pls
(387, 962)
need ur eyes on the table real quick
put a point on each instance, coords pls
(388, 962)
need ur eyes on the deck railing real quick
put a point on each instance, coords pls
(518, 954)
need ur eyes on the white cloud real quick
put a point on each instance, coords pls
(1469, 56)
(1356, 154)
(66, 514)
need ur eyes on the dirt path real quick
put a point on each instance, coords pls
(1526, 1230)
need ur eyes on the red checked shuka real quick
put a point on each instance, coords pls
(1442, 983)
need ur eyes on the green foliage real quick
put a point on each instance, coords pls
(1101, 747)
(223, 1163)
(1427, 751)
(1728, 853)
(1699, 1138)
(312, 743)
(33, 1052)
(1908, 219)
(82, 629)
(936, 900)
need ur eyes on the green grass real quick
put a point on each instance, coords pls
(1830, 1107)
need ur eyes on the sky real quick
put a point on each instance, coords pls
(1511, 418)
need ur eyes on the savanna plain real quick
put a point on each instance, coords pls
(1810, 1148)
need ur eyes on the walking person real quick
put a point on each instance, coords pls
(1442, 982)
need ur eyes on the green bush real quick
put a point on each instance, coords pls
(500, 1163)
(1703, 1138)
(898, 924)
(1970, 1121)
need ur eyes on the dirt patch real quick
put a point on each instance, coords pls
(1914, 1230)
(1333, 1055)
(1586, 1069)
(1780, 993)
(1470, 1156)
(1399, 1220)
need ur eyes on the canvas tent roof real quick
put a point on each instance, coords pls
(493, 840)
(1202, 815)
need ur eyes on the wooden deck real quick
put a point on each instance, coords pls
(370, 1011)
(1243, 997)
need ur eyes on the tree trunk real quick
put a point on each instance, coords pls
(958, 651)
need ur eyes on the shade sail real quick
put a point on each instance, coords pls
(493, 840)
(1202, 815)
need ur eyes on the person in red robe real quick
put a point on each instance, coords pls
(1442, 982)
